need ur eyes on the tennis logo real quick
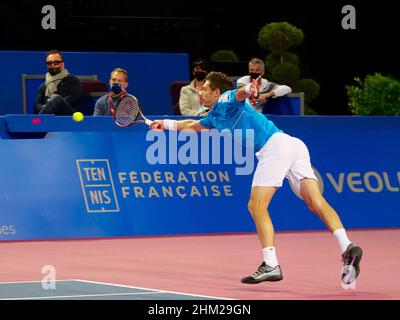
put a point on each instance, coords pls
(97, 185)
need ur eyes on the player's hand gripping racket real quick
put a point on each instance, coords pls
(127, 112)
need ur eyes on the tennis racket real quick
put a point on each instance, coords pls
(127, 112)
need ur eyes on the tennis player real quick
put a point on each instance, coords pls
(280, 156)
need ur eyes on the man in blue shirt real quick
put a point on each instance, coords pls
(280, 156)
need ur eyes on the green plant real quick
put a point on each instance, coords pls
(310, 88)
(283, 65)
(375, 95)
(272, 60)
(286, 73)
(309, 111)
(224, 56)
(279, 37)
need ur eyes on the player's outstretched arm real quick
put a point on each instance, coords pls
(168, 124)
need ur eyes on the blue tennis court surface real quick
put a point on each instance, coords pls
(87, 290)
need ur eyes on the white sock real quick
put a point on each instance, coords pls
(270, 256)
(341, 236)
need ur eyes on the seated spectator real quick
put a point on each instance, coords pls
(267, 89)
(61, 92)
(118, 84)
(190, 102)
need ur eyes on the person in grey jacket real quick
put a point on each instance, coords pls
(118, 84)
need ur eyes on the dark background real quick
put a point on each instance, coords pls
(330, 55)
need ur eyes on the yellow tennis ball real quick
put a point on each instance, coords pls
(77, 116)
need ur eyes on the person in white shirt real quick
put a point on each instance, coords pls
(267, 90)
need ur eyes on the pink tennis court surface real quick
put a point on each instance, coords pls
(212, 265)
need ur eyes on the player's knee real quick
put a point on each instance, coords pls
(250, 207)
(256, 207)
(315, 204)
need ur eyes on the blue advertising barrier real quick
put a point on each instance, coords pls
(64, 179)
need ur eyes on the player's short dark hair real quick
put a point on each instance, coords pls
(219, 80)
(54, 51)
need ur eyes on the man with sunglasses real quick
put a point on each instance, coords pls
(61, 92)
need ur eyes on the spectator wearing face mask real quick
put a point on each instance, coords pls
(267, 89)
(190, 102)
(61, 92)
(118, 84)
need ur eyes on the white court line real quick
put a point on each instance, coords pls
(111, 284)
(160, 291)
(36, 281)
(83, 295)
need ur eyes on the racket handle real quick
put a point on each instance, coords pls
(149, 123)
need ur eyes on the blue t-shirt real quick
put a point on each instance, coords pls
(227, 113)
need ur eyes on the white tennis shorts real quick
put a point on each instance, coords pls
(283, 157)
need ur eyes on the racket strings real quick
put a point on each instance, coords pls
(126, 112)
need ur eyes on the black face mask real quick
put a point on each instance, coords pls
(54, 71)
(254, 75)
(200, 75)
(116, 88)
